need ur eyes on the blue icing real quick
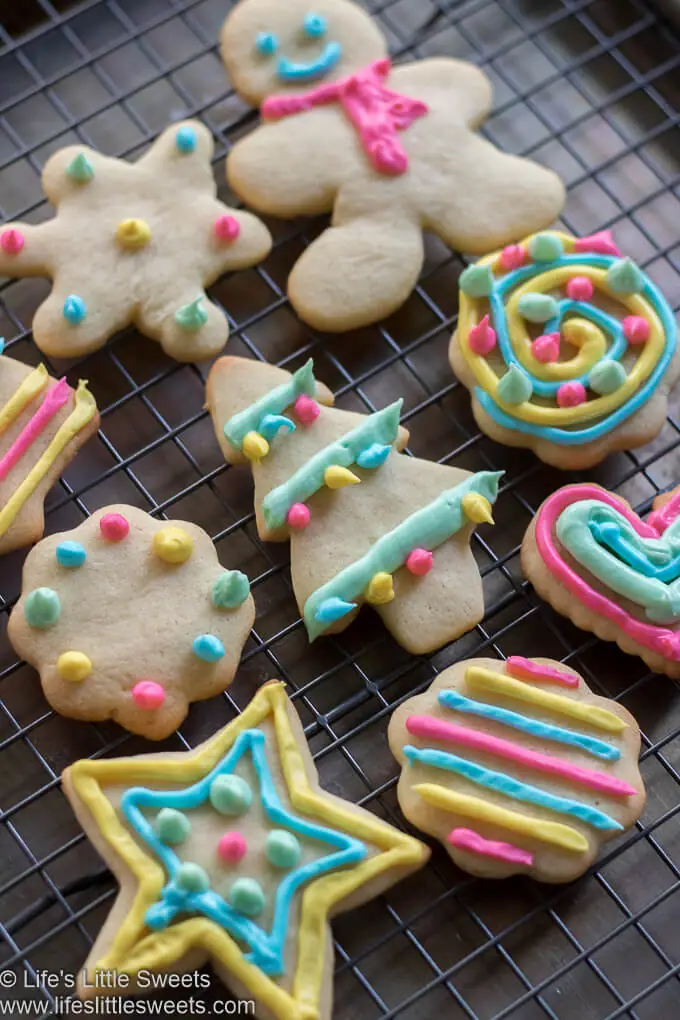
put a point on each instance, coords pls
(333, 609)
(271, 425)
(266, 43)
(185, 139)
(71, 554)
(266, 947)
(74, 309)
(638, 555)
(208, 648)
(315, 25)
(290, 70)
(373, 456)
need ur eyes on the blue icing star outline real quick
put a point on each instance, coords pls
(266, 948)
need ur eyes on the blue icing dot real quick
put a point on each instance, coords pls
(373, 456)
(267, 43)
(74, 309)
(185, 139)
(71, 554)
(333, 609)
(208, 647)
(2, 344)
(315, 24)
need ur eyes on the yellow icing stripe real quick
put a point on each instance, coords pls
(22, 396)
(83, 412)
(517, 690)
(482, 811)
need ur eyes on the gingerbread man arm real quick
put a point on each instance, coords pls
(28, 249)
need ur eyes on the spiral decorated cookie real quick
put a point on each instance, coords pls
(42, 425)
(517, 767)
(568, 348)
(131, 618)
(134, 243)
(590, 556)
(231, 852)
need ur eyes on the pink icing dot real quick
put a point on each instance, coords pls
(227, 228)
(546, 348)
(298, 516)
(232, 847)
(148, 695)
(635, 329)
(419, 562)
(12, 241)
(114, 527)
(580, 288)
(512, 256)
(306, 409)
(482, 337)
(570, 394)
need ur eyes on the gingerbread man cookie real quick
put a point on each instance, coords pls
(134, 243)
(231, 852)
(366, 525)
(42, 424)
(131, 618)
(391, 151)
(517, 767)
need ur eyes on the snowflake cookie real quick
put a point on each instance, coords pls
(392, 152)
(43, 422)
(517, 767)
(134, 243)
(130, 618)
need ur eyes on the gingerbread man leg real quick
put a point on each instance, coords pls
(78, 316)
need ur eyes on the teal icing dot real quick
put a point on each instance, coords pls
(172, 826)
(282, 849)
(42, 608)
(208, 648)
(71, 554)
(515, 386)
(607, 376)
(537, 307)
(545, 247)
(185, 139)
(477, 281)
(230, 590)
(246, 896)
(192, 878)
(315, 25)
(230, 795)
(624, 277)
(73, 309)
(266, 43)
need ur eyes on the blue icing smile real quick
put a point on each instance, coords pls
(290, 70)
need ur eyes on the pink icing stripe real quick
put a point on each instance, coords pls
(466, 839)
(376, 112)
(54, 399)
(666, 642)
(527, 669)
(429, 728)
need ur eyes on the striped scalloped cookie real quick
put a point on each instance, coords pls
(517, 767)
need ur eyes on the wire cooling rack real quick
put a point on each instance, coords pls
(588, 87)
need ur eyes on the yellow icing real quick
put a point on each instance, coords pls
(22, 396)
(74, 666)
(173, 544)
(517, 690)
(337, 477)
(133, 234)
(254, 446)
(380, 589)
(134, 948)
(556, 833)
(477, 508)
(84, 411)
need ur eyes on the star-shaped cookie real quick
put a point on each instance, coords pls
(232, 852)
(134, 243)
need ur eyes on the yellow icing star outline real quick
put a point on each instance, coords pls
(134, 947)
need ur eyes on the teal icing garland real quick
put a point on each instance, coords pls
(271, 404)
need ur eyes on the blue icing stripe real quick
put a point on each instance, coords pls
(266, 947)
(610, 534)
(536, 728)
(502, 783)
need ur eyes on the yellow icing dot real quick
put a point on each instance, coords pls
(477, 508)
(173, 544)
(133, 233)
(336, 477)
(380, 589)
(255, 446)
(74, 666)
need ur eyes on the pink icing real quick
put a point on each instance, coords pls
(570, 394)
(148, 695)
(601, 243)
(580, 288)
(482, 338)
(430, 728)
(512, 257)
(419, 562)
(467, 839)
(54, 399)
(298, 516)
(527, 669)
(635, 329)
(114, 527)
(659, 639)
(376, 112)
(546, 348)
(306, 409)
(660, 519)
(232, 847)
(12, 241)
(227, 228)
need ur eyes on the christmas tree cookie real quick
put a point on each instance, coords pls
(231, 852)
(365, 523)
(131, 618)
(134, 243)
(42, 425)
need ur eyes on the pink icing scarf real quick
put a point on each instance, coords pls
(376, 112)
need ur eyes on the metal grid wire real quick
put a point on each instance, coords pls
(589, 87)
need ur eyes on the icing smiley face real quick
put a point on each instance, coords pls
(314, 27)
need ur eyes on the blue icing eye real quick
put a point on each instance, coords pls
(267, 43)
(315, 24)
